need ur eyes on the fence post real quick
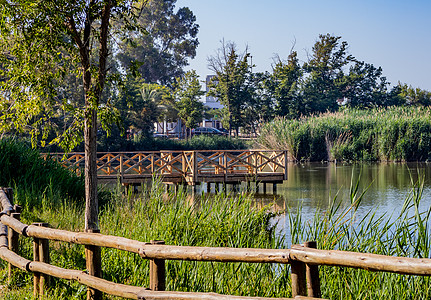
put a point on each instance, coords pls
(93, 257)
(298, 277)
(157, 271)
(13, 237)
(312, 275)
(40, 253)
(36, 275)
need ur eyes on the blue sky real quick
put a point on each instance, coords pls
(392, 34)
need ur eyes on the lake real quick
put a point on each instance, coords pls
(314, 185)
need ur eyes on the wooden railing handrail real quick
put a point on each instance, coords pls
(367, 261)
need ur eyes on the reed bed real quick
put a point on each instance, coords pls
(390, 134)
(235, 221)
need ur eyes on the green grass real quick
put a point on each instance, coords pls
(394, 134)
(34, 178)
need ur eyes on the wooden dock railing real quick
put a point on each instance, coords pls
(304, 260)
(189, 167)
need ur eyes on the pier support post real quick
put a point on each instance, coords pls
(274, 188)
(208, 187)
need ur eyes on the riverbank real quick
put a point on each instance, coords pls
(392, 134)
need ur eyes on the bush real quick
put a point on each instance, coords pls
(33, 177)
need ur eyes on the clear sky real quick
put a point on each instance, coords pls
(392, 34)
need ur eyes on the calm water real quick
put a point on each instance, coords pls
(315, 185)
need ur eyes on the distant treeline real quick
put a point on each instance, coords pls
(392, 134)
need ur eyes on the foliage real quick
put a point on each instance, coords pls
(160, 53)
(398, 134)
(201, 142)
(231, 83)
(229, 221)
(187, 93)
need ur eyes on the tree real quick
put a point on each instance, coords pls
(187, 93)
(39, 42)
(364, 86)
(325, 71)
(160, 54)
(230, 85)
(284, 85)
(414, 96)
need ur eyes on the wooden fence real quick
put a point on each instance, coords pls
(190, 167)
(304, 260)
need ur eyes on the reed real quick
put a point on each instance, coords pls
(392, 134)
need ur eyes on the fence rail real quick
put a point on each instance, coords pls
(189, 167)
(304, 259)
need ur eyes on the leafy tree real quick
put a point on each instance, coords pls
(40, 42)
(364, 86)
(284, 86)
(187, 93)
(325, 72)
(231, 84)
(170, 39)
(414, 96)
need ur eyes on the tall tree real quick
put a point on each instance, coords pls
(160, 54)
(325, 69)
(188, 91)
(414, 96)
(364, 86)
(284, 85)
(39, 42)
(231, 84)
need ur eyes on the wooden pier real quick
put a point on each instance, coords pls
(185, 167)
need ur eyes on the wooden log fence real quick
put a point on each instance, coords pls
(304, 260)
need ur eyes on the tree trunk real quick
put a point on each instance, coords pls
(91, 202)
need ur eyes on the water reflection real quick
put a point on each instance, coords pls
(315, 185)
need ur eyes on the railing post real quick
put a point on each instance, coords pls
(13, 237)
(93, 258)
(195, 167)
(312, 275)
(121, 168)
(157, 271)
(285, 164)
(299, 283)
(40, 253)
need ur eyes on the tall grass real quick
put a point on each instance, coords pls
(234, 221)
(395, 134)
(34, 178)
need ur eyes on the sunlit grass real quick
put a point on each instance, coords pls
(396, 134)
